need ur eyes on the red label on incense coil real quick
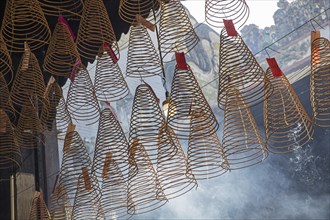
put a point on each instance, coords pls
(181, 61)
(230, 28)
(75, 69)
(110, 52)
(277, 72)
(62, 20)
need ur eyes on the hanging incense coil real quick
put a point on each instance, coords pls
(62, 52)
(176, 33)
(60, 209)
(39, 209)
(6, 70)
(114, 193)
(109, 83)
(86, 201)
(239, 70)
(94, 29)
(23, 21)
(218, 10)
(110, 139)
(10, 154)
(187, 96)
(142, 57)
(287, 125)
(75, 159)
(144, 190)
(173, 173)
(68, 8)
(63, 118)
(206, 156)
(242, 141)
(5, 100)
(320, 82)
(81, 99)
(130, 10)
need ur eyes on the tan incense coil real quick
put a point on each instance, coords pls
(6, 69)
(110, 139)
(114, 193)
(39, 209)
(86, 201)
(144, 190)
(60, 209)
(10, 154)
(176, 33)
(109, 83)
(206, 156)
(239, 70)
(173, 173)
(287, 125)
(320, 81)
(75, 157)
(94, 29)
(5, 100)
(23, 21)
(68, 8)
(187, 96)
(217, 10)
(81, 99)
(130, 9)
(242, 141)
(63, 118)
(142, 57)
(62, 52)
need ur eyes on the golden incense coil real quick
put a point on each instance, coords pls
(94, 29)
(239, 70)
(173, 173)
(60, 209)
(5, 100)
(6, 69)
(206, 156)
(142, 57)
(320, 81)
(110, 139)
(130, 10)
(176, 33)
(287, 125)
(68, 8)
(187, 96)
(81, 99)
(39, 209)
(218, 10)
(62, 52)
(109, 82)
(144, 190)
(23, 21)
(63, 118)
(242, 141)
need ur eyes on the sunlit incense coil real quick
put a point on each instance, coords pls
(62, 52)
(144, 190)
(187, 96)
(206, 156)
(176, 33)
(146, 119)
(68, 8)
(109, 83)
(81, 99)
(5, 100)
(110, 139)
(239, 70)
(39, 209)
(130, 9)
(10, 154)
(173, 173)
(63, 118)
(6, 69)
(94, 29)
(23, 21)
(86, 201)
(320, 81)
(60, 209)
(287, 125)
(217, 10)
(242, 141)
(114, 193)
(75, 158)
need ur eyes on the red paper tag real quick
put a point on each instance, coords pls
(181, 61)
(75, 69)
(110, 51)
(230, 28)
(277, 72)
(62, 20)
